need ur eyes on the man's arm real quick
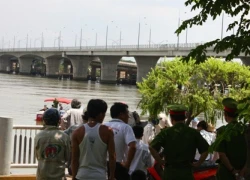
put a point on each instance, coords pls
(75, 154)
(202, 146)
(131, 142)
(35, 147)
(131, 154)
(156, 156)
(112, 156)
(203, 157)
(227, 163)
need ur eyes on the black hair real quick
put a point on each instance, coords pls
(138, 175)
(117, 109)
(203, 125)
(178, 117)
(96, 107)
(231, 114)
(85, 116)
(51, 117)
(138, 131)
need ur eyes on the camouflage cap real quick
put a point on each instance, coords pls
(230, 105)
(177, 109)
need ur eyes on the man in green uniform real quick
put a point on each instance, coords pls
(232, 152)
(179, 143)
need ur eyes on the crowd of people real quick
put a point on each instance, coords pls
(95, 150)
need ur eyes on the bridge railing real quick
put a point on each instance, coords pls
(23, 155)
(185, 46)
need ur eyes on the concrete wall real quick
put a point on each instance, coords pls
(25, 65)
(245, 60)
(4, 64)
(108, 68)
(144, 65)
(80, 66)
(52, 66)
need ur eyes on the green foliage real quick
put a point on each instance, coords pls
(232, 129)
(236, 43)
(200, 87)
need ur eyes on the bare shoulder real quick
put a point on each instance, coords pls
(79, 132)
(106, 129)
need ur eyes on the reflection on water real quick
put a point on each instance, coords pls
(22, 96)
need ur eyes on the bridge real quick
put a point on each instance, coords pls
(146, 57)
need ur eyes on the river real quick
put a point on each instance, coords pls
(22, 96)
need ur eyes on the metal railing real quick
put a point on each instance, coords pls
(23, 146)
(157, 47)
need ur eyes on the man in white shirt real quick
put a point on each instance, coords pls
(210, 138)
(142, 159)
(72, 116)
(125, 142)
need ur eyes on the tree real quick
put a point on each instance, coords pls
(237, 43)
(201, 87)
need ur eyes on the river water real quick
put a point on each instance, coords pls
(21, 97)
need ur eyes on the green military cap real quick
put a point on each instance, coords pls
(177, 109)
(230, 105)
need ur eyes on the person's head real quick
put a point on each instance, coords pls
(85, 117)
(154, 119)
(51, 117)
(202, 125)
(75, 104)
(60, 105)
(120, 111)
(138, 175)
(45, 106)
(177, 113)
(96, 109)
(210, 128)
(230, 109)
(138, 131)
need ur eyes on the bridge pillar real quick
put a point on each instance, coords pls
(93, 73)
(25, 65)
(108, 69)
(118, 74)
(52, 67)
(245, 61)
(144, 65)
(4, 64)
(80, 67)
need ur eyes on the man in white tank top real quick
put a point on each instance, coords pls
(90, 144)
(125, 142)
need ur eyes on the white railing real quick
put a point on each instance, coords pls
(23, 146)
(157, 47)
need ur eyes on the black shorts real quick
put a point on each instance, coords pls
(121, 173)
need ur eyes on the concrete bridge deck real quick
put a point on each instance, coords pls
(146, 57)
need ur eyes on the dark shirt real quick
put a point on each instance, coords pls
(180, 143)
(234, 147)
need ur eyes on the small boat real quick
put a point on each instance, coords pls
(39, 114)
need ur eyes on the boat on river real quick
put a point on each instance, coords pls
(66, 101)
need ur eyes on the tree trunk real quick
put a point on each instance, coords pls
(248, 152)
(189, 119)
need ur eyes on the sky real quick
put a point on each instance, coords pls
(29, 19)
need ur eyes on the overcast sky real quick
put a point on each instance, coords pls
(34, 17)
